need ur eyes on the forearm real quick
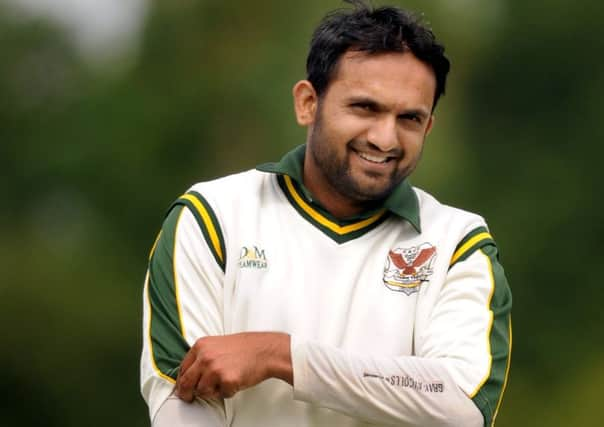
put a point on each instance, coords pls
(279, 354)
(409, 391)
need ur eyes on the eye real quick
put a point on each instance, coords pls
(364, 106)
(411, 117)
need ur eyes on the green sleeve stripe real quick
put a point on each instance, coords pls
(489, 394)
(208, 223)
(473, 241)
(154, 245)
(507, 371)
(167, 340)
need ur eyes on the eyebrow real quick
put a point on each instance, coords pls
(420, 112)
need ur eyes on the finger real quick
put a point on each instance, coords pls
(186, 362)
(187, 380)
(208, 385)
(227, 389)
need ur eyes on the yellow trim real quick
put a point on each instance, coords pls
(155, 368)
(402, 285)
(464, 248)
(490, 326)
(208, 223)
(324, 221)
(175, 275)
(507, 372)
(154, 244)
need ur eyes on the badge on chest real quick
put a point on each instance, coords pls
(406, 269)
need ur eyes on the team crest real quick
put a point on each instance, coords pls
(407, 268)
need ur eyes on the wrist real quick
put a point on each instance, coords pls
(280, 362)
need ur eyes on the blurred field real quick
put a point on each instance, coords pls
(92, 153)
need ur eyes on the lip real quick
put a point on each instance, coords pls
(368, 161)
(373, 158)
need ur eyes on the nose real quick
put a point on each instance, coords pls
(383, 134)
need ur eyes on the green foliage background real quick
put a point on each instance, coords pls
(91, 157)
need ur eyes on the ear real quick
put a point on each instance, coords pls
(305, 102)
(430, 124)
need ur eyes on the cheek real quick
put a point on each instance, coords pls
(345, 130)
(356, 129)
(412, 139)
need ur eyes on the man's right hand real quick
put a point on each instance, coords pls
(220, 366)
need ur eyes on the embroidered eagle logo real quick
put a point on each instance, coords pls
(407, 268)
(400, 262)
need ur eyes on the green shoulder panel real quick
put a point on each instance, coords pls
(208, 223)
(474, 240)
(167, 341)
(489, 395)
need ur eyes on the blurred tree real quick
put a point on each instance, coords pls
(531, 115)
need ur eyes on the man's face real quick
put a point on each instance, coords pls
(369, 127)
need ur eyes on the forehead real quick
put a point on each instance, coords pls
(393, 77)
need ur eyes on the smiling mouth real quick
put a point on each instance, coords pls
(373, 158)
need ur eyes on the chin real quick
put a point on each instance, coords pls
(370, 188)
(369, 193)
(373, 196)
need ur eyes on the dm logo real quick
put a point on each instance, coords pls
(252, 257)
(407, 268)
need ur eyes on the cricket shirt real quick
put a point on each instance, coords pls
(400, 316)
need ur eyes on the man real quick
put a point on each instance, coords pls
(324, 290)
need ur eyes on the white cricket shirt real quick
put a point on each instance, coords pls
(398, 317)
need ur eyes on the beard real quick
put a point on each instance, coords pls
(359, 186)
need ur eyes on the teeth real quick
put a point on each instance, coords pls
(374, 159)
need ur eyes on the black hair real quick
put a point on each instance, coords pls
(372, 30)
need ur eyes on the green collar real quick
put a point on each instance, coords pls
(402, 201)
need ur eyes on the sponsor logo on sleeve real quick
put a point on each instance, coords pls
(407, 268)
